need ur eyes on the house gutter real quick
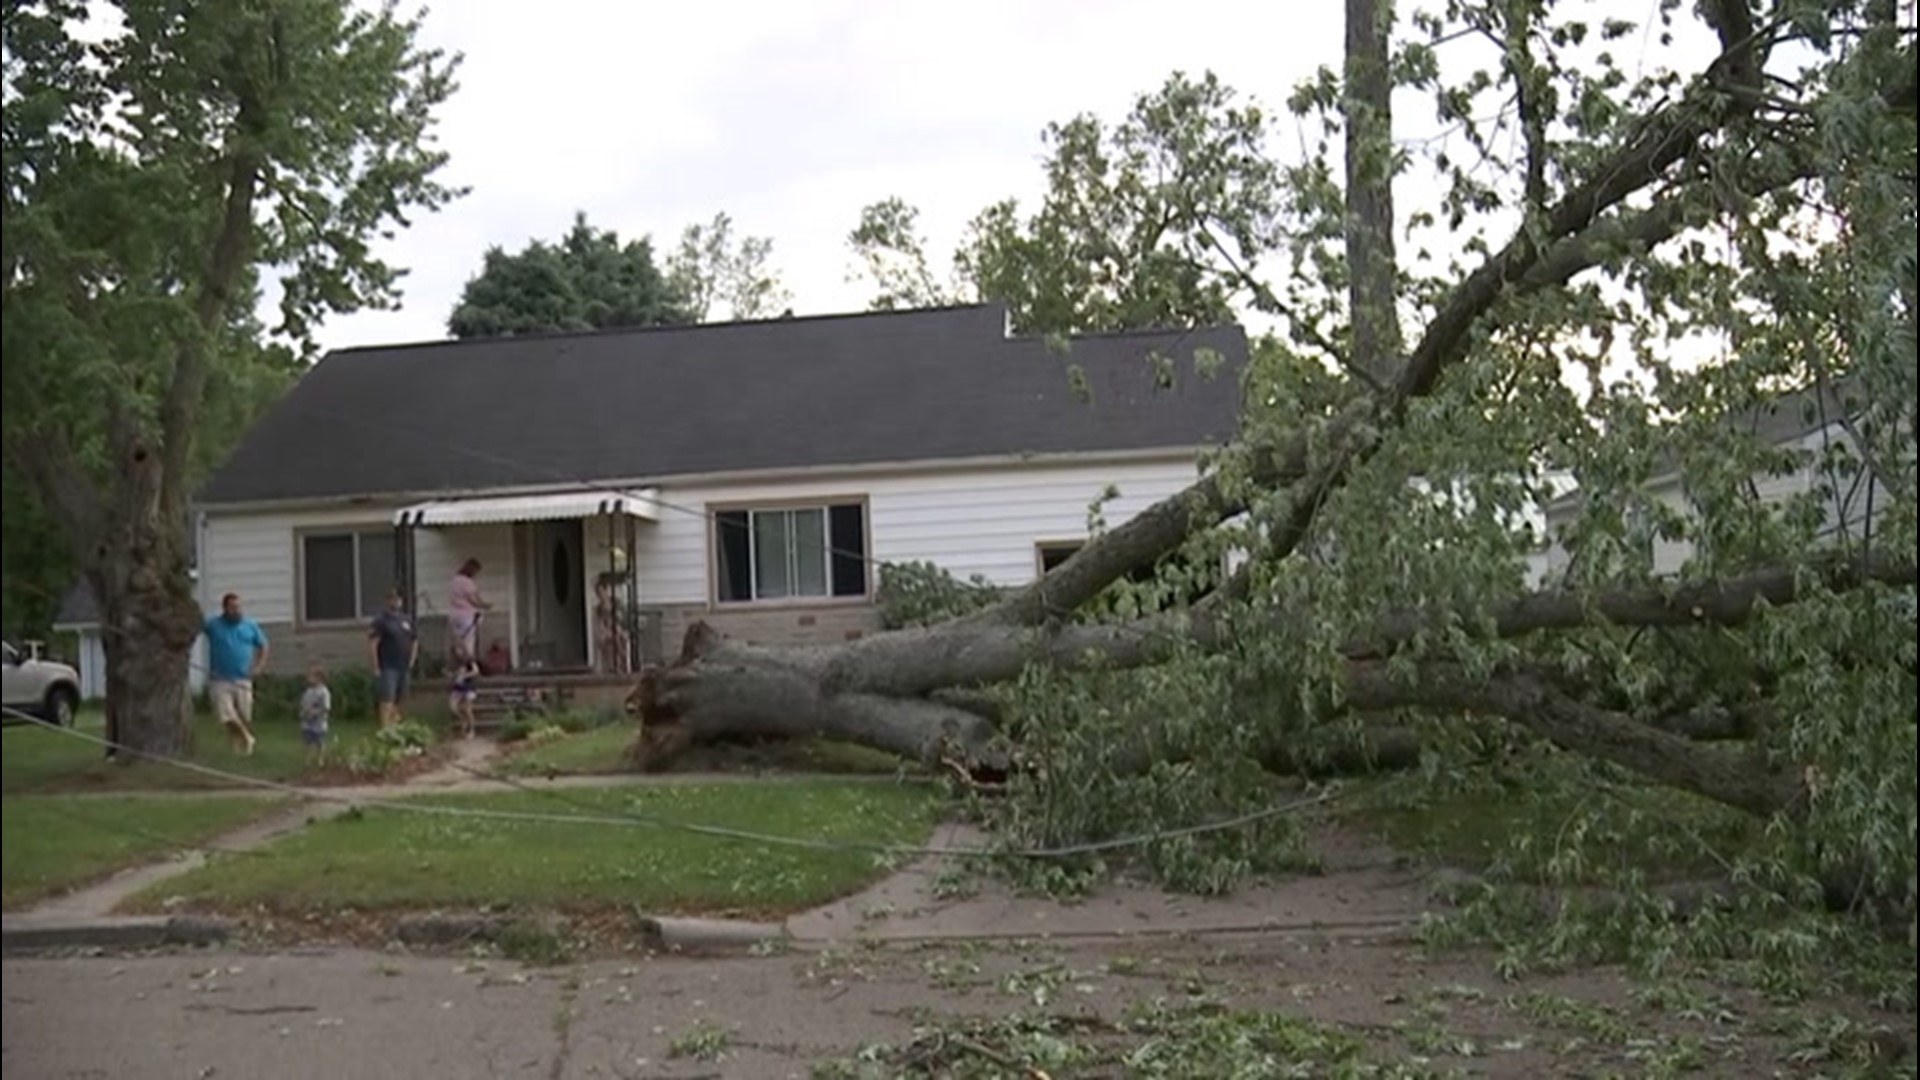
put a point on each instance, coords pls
(870, 470)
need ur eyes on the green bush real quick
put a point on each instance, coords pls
(406, 735)
(546, 733)
(922, 593)
(355, 697)
(389, 746)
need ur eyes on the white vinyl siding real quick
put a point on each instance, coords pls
(982, 521)
(976, 521)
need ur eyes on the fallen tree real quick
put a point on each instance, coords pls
(718, 689)
(1737, 149)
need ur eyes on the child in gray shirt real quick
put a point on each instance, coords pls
(316, 706)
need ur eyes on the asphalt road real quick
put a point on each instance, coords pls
(358, 1015)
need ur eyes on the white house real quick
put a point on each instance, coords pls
(752, 475)
(1810, 423)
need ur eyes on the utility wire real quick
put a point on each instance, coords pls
(636, 819)
(65, 808)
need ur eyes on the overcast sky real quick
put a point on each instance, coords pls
(790, 116)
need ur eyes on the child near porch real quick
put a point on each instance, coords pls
(464, 690)
(316, 709)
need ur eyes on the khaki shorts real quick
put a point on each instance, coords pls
(232, 700)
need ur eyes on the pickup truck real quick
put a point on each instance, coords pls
(47, 689)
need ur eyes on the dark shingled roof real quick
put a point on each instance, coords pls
(562, 409)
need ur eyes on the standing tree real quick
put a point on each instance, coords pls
(893, 255)
(151, 174)
(1162, 219)
(590, 280)
(1655, 257)
(714, 272)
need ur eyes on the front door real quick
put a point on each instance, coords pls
(559, 632)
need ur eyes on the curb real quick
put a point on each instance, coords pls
(27, 936)
(711, 935)
(658, 933)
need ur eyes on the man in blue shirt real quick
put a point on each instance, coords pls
(236, 652)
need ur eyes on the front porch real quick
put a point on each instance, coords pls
(566, 602)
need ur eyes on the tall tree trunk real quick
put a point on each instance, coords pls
(149, 703)
(1371, 267)
(149, 619)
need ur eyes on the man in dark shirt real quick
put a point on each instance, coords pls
(395, 646)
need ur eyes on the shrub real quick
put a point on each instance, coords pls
(546, 733)
(574, 722)
(383, 749)
(355, 697)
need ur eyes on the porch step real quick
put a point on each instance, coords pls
(531, 694)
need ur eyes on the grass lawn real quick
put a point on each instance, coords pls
(386, 859)
(601, 750)
(54, 843)
(604, 750)
(38, 760)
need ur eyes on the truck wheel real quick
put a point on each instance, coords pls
(62, 704)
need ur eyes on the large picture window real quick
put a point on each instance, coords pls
(790, 553)
(345, 575)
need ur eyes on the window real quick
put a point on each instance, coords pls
(345, 576)
(790, 553)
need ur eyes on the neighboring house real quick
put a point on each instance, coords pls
(752, 475)
(79, 615)
(1808, 422)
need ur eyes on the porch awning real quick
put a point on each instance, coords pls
(510, 508)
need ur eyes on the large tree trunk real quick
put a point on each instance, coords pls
(718, 690)
(148, 616)
(149, 704)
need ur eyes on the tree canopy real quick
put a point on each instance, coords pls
(589, 280)
(723, 276)
(592, 280)
(154, 174)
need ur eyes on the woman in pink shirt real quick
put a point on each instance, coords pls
(464, 605)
